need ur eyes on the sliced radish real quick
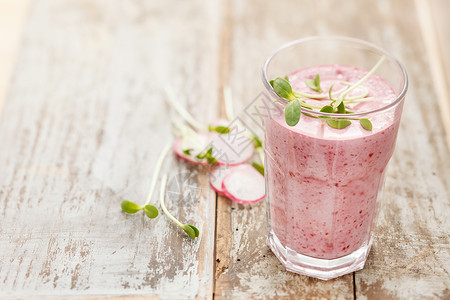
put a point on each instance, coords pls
(197, 143)
(216, 177)
(244, 184)
(233, 148)
(229, 149)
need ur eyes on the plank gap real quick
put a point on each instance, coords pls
(215, 249)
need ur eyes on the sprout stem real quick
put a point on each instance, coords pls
(159, 163)
(162, 194)
(185, 130)
(358, 100)
(181, 111)
(359, 82)
(228, 103)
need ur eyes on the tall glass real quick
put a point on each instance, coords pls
(323, 185)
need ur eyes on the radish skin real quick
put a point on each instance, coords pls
(244, 184)
(232, 149)
(216, 177)
(198, 145)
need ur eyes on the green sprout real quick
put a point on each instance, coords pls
(190, 230)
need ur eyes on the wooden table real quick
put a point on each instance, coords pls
(84, 120)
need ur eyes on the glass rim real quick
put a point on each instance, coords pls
(398, 98)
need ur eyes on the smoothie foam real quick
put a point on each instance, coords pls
(330, 176)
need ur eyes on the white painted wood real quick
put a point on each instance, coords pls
(85, 120)
(82, 129)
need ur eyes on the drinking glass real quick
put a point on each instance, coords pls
(323, 190)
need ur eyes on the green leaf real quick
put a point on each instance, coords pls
(197, 232)
(258, 167)
(283, 88)
(256, 142)
(271, 82)
(201, 155)
(211, 159)
(314, 84)
(221, 129)
(292, 112)
(310, 83)
(208, 155)
(286, 78)
(317, 83)
(191, 230)
(151, 211)
(130, 207)
(338, 124)
(366, 124)
(337, 102)
(327, 109)
(187, 151)
(341, 108)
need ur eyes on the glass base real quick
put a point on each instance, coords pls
(315, 267)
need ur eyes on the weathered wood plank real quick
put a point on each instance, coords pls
(245, 267)
(434, 26)
(410, 255)
(439, 22)
(82, 129)
(12, 18)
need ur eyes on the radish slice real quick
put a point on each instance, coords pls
(229, 149)
(197, 143)
(232, 149)
(244, 184)
(216, 177)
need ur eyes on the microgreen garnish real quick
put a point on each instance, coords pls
(338, 123)
(327, 109)
(256, 141)
(330, 95)
(358, 83)
(131, 208)
(208, 155)
(191, 230)
(314, 84)
(341, 108)
(219, 129)
(283, 88)
(188, 151)
(293, 110)
(150, 210)
(258, 167)
(366, 124)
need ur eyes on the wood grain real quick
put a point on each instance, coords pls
(12, 18)
(434, 26)
(410, 257)
(413, 233)
(82, 129)
(85, 121)
(246, 268)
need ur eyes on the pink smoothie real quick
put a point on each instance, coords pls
(323, 182)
